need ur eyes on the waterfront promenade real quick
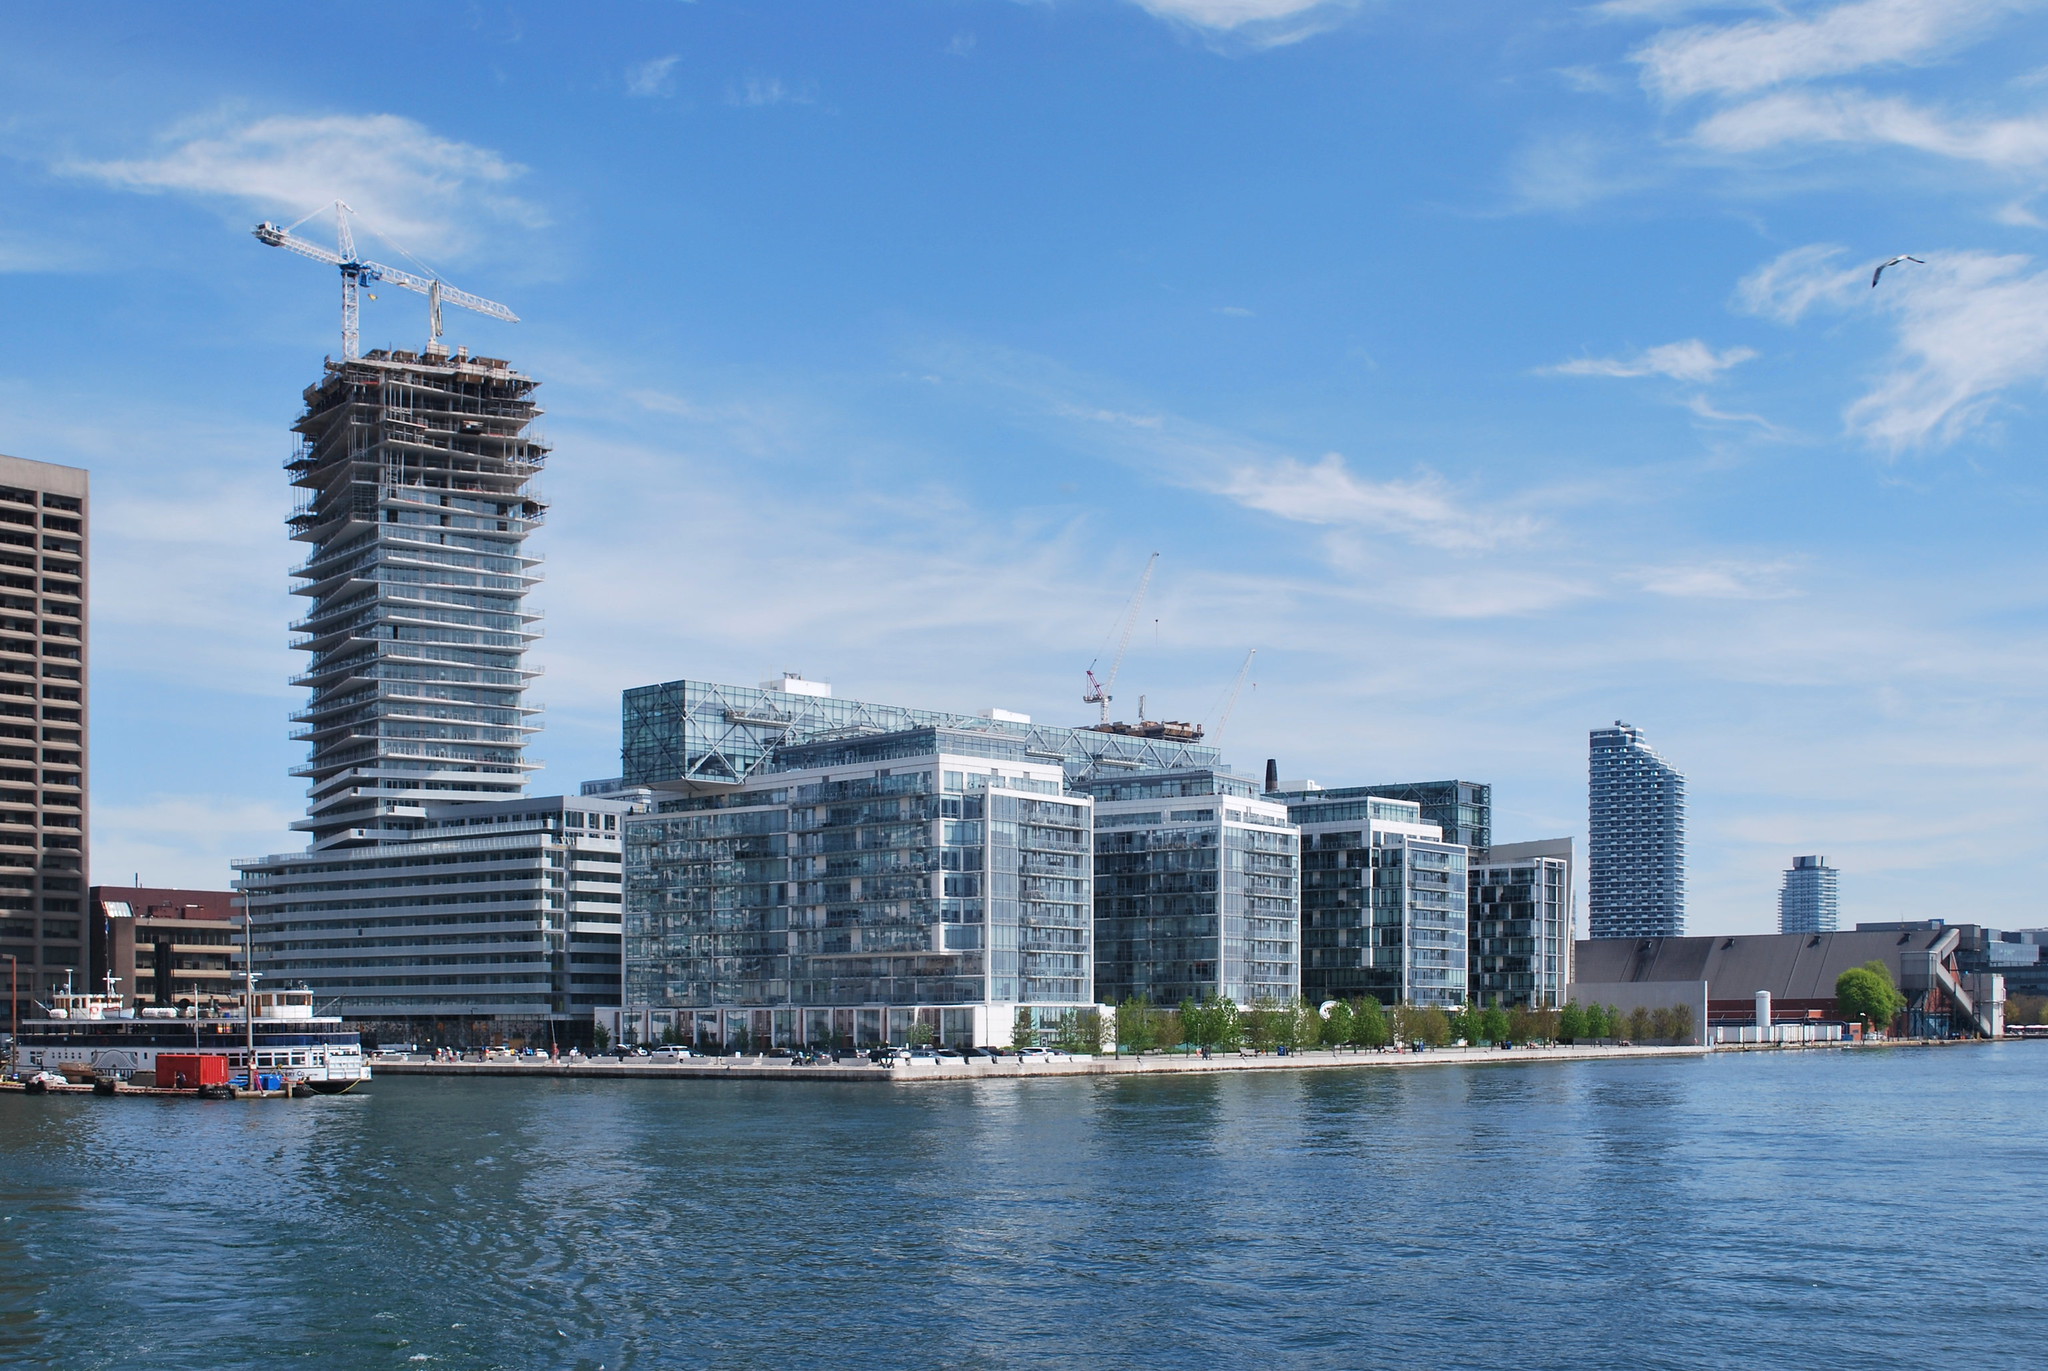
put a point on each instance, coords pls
(946, 1071)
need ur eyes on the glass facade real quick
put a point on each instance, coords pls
(1383, 902)
(1520, 928)
(1635, 849)
(853, 885)
(1197, 890)
(1810, 901)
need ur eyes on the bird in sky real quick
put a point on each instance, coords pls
(1894, 262)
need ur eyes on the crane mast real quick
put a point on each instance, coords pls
(355, 272)
(1230, 703)
(1098, 690)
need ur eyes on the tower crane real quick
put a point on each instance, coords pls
(1098, 691)
(355, 272)
(1230, 702)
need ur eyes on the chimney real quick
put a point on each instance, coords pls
(1272, 774)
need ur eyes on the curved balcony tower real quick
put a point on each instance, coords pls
(416, 472)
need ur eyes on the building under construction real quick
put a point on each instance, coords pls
(431, 891)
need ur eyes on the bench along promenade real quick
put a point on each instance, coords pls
(930, 1071)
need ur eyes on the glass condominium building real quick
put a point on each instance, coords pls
(433, 897)
(1521, 925)
(1635, 850)
(1383, 902)
(1811, 900)
(1197, 889)
(853, 887)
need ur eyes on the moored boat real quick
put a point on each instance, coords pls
(99, 1035)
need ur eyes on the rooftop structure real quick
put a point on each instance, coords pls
(1635, 846)
(685, 734)
(1461, 810)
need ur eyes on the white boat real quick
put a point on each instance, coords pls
(103, 1033)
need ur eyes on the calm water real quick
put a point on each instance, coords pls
(1828, 1210)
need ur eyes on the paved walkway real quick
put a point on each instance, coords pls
(919, 1073)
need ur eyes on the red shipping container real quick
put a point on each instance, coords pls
(190, 1070)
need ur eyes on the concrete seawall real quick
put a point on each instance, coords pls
(924, 1073)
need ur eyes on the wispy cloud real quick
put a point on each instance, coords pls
(1258, 23)
(1970, 327)
(1852, 117)
(1718, 580)
(1423, 509)
(1756, 54)
(759, 92)
(1691, 360)
(651, 78)
(405, 179)
(1792, 283)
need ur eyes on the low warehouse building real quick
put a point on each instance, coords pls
(1798, 970)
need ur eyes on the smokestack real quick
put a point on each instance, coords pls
(160, 965)
(1272, 774)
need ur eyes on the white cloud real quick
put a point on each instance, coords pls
(1328, 492)
(650, 78)
(1787, 286)
(1759, 53)
(405, 180)
(1691, 360)
(1856, 118)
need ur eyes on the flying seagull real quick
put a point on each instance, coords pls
(1894, 262)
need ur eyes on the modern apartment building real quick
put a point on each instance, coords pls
(1635, 849)
(434, 899)
(1197, 889)
(1520, 926)
(43, 831)
(849, 888)
(1462, 809)
(1810, 901)
(1383, 904)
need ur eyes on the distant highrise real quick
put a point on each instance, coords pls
(1635, 839)
(42, 725)
(1811, 900)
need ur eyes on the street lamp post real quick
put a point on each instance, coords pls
(13, 1010)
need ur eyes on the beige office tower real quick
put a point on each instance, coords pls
(42, 727)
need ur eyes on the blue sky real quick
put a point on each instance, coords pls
(1497, 370)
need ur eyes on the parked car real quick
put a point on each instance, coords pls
(1043, 1054)
(630, 1050)
(674, 1053)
